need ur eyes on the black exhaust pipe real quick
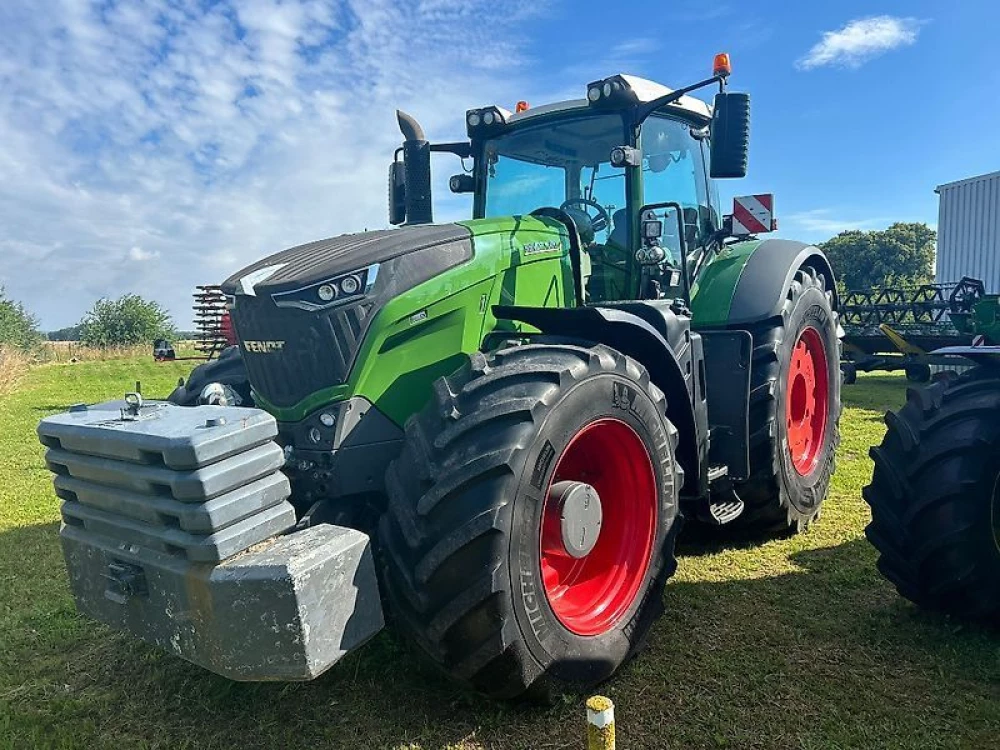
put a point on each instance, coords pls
(417, 169)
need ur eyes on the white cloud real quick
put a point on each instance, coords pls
(151, 145)
(861, 40)
(139, 255)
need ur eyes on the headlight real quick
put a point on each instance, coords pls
(350, 285)
(486, 122)
(340, 290)
(614, 92)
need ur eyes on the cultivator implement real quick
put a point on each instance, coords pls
(211, 321)
(214, 331)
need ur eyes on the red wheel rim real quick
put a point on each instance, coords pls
(807, 399)
(590, 595)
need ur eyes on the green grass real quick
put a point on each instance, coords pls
(793, 643)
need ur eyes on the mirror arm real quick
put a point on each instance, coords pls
(645, 110)
(461, 149)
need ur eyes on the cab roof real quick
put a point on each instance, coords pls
(645, 90)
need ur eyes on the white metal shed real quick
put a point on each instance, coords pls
(969, 230)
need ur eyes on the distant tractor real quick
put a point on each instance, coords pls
(517, 408)
(935, 493)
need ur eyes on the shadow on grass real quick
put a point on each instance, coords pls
(73, 682)
(52, 408)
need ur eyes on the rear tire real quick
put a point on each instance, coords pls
(466, 535)
(791, 454)
(935, 497)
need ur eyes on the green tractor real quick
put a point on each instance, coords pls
(935, 492)
(515, 411)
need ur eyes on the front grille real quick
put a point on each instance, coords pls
(317, 352)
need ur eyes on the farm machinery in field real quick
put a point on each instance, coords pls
(899, 328)
(487, 429)
(935, 493)
(213, 325)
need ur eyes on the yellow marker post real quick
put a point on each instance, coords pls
(600, 723)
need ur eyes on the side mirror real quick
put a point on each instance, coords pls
(730, 135)
(397, 194)
(462, 183)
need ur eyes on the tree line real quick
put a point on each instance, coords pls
(902, 255)
(129, 320)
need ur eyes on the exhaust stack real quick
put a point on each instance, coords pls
(417, 170)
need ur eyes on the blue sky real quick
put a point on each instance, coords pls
(151, 145)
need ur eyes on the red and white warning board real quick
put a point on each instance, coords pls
(753, 214)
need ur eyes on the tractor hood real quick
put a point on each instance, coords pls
(317, 262)
(302, 314)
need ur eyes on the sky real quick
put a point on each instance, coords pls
(148, 146)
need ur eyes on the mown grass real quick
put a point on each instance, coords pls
(792, 643)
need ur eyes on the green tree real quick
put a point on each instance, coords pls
(70, 333)
(901, 254)
(126, 321)
(18, 327)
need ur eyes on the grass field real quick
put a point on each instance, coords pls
(793, 643)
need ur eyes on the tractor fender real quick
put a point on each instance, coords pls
(652, 335)
(754, 278)
(767, 275)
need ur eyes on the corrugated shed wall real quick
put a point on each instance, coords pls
(969, 230)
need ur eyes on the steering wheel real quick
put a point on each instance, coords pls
(602, 220)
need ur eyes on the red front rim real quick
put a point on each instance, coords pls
(807, 399)
(590, 595)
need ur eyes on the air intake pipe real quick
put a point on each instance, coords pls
(417, 170)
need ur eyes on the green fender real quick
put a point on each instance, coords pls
(747, 281)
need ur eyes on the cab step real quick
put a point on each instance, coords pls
(722, 512)
(722, 505)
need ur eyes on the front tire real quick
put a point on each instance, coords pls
(935, 497)
(478, 570)
(227, 369)
(794, 411)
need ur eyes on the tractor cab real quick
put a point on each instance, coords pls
(630, 166)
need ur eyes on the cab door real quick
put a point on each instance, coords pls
(674, 170)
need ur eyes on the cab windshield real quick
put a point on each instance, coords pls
(563, 164)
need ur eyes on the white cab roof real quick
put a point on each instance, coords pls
(646, 91)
